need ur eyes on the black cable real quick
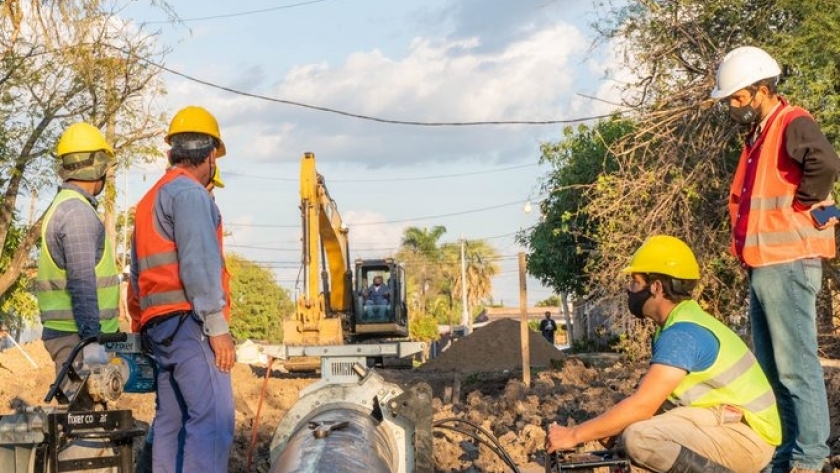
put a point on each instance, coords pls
(387, 179)
(359, 224)
(499, 450)
(368, 117)
(234, 14)
(499, 453)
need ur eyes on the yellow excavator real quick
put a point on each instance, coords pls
(334, 307)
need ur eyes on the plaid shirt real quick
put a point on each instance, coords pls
(75, 237)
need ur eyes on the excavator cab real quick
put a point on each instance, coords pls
(380, 309)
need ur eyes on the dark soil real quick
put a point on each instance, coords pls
(478, 379)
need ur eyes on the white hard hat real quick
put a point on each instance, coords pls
(743, 67)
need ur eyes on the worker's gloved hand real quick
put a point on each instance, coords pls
(94, 353)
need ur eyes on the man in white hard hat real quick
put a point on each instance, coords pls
(786, 171)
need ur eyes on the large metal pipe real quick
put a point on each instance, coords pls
(352, 420)
(339, 440)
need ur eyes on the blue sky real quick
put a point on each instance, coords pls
(428, 61)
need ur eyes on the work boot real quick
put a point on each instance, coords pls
(689, 461)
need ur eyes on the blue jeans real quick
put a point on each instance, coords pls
(194, 422)
(783, 314)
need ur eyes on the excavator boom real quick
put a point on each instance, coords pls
(333, 308)
(324, 244)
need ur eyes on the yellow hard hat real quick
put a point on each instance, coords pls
(196, 120)
(217, 179)
(82, 137)
(666, 255)
(84, 153)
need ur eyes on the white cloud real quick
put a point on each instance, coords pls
(447, 80)
(531, 78)
(369, 238)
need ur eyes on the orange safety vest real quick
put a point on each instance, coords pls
(160, 288)
(775, 231)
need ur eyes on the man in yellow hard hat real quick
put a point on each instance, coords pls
(783, 182)
(144, 458)
(179, 277)
(216, 182)
(78, 284)
(726, 419)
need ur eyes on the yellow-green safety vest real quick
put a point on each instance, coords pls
(735, 378)
(54, 299)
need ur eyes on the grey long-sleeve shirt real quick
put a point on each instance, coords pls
(75, 237)
(185, 213)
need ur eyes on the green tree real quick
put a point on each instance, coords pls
(481, 261)
(65, 62)
(421, 254)
(669, 170)
(675, 167)
(18, 306)
(552, 301)
(259, 304)
(563, 243)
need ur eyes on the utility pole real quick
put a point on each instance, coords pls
(570, 329)
(524, 337)
(466, 320)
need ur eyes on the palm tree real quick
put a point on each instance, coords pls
(423, 241)
(422, 246)
(481, 266)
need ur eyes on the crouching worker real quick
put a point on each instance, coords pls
(725, 419)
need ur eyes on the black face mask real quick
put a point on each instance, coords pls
(746, 115)
(636, 301)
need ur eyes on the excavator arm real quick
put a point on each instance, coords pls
(326, 299)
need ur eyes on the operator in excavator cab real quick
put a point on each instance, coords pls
(726, 418)
(377, 297)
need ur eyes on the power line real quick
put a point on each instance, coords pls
(429, 217)
(360, 250)
(235, 14)
(386, 179)
(369, 117)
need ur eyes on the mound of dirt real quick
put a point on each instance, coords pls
(26, 374)
(494, 347)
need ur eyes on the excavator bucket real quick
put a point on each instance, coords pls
(329, 333)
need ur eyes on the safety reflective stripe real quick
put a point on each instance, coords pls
(735, 378)
(102, 282)
(162, 298)
(790, 236)
(63, 314)
(771, 203)
(157, 259)
(740, 368)
(765, 401)
(768, 230)
(54, 299)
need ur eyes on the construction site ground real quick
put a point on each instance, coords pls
(479, 379)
